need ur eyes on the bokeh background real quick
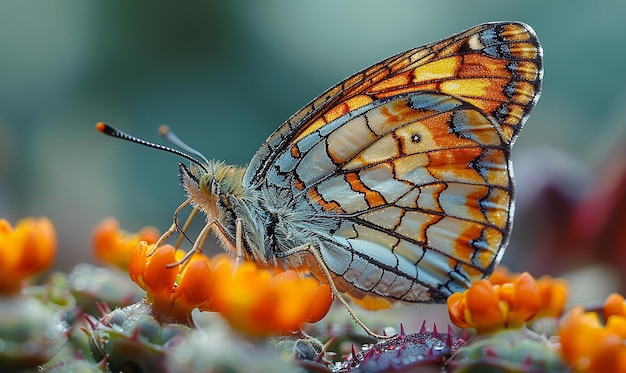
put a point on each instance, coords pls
(225, 74)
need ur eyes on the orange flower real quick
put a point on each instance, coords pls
(552, 295)
(588, 346)
(154, 275)
(255, 301)
(114, 246)
(258, 302)
(614, 306)
(486, 307)
(25, 250)
(553, 292)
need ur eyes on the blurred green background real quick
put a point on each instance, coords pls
(225, 74)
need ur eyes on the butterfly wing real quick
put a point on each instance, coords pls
(496, 66)
(406, 164)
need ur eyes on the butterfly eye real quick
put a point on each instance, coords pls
(208, 185)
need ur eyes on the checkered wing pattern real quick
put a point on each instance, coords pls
(409, 162)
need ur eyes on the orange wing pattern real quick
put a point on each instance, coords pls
(496, 66)
(400, 174)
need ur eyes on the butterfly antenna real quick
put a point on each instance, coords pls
(114, 132)
(170, 136)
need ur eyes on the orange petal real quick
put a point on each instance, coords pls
(610, 356)
(104, 237)
(26, 250)
(321, 300)
(158, 277)
(617, 325)
(614, 305)
(501, 275)
(292, 304)
(456, 309)
(197, 282)
(149, 234)
(137, 264)
(115, 246)
(483, 306)
(38, 245)
(553, 296)
(5, 227)
(526, 299)
(581, 336)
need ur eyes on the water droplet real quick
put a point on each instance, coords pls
(438, 346)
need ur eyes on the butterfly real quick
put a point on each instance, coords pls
(396, 184)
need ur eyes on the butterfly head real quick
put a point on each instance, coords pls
(211, 185)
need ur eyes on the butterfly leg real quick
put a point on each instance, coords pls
(311, 249)
(197, 246)
(174, 227)
(238, 241)
(162, 239)
(222, 234)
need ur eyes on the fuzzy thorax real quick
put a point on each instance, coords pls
(271, 220)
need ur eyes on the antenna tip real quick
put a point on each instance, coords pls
(101, 126)
(163, 129)
(105, 128)
(108, 130)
